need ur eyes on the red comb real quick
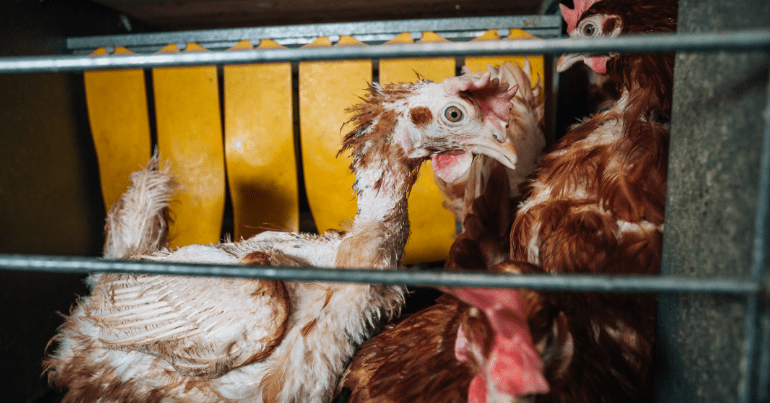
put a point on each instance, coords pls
(573, 16)
(513, 366)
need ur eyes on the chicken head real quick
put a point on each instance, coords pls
(588, 27)
(495, 337)
(449, 121)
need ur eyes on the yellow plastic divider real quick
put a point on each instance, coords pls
(406, 70)
(432, 227)
(537, 62)
(326, 88)
(190, 136)
(120, 124)
(259, 145)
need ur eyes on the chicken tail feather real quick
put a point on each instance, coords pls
(138, 222)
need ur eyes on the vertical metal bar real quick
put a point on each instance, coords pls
(763, 383)
(763, 205)
(760, 262)
(754, 382)
(748, 362)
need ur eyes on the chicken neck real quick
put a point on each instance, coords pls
(381, 225)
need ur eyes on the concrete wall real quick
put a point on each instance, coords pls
(713, 181)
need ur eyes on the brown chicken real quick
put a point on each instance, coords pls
(595, 205)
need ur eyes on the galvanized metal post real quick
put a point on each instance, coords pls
(759, 324)
(712, 202)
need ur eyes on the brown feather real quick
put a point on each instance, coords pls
(420, 116)
(597, 206)
(488, 216)
(477, 329)
(370, 141)
(651, 75)
(412, 362)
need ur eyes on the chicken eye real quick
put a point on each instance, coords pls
(589, 30)
(453, 114)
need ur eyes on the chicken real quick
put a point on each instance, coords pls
(595, 205)
(137, 223)
(494, 336)
(169, 338)
(524, 131)
(414, 360)
(645, 80)
(473, 344)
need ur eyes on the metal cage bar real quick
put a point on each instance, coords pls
(372, 32)
(740, 41)
(757, 352)
(417, 276)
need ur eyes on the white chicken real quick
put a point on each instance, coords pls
(416, 360)
(524, 132)
(141, 338)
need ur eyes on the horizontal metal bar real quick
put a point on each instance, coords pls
(294, 42)
(415, 276)
(728, 41)
(310, 32)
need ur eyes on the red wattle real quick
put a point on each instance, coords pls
(451, 166)
(599, 64)
(477, 391)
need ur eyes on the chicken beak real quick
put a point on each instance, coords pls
(495, 144)
(566, 61)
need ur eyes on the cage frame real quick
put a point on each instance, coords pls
(756, 289)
